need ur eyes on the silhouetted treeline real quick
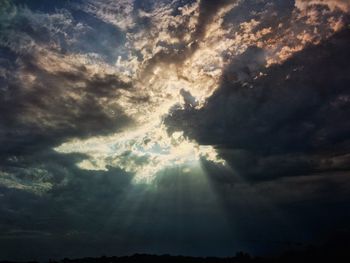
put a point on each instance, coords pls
(336, 253)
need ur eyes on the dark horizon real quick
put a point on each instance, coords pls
(336, 251)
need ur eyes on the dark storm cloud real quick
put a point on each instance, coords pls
(42, 105)
(291, 121)
(38, 118)
(48, 96)
(50, 114)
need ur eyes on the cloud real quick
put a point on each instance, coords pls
(118, 13)
(168, 61)
(287, 122)
(207, 11)
(50, 93)
(342, 5)
(96, 94)
(63, 86)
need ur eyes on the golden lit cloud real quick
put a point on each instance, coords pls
(162, 59)
(343, 5)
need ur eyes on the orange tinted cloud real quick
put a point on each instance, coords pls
(343, 5)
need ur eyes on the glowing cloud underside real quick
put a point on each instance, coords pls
(146, 148)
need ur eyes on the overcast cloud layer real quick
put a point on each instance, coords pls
(174, 126)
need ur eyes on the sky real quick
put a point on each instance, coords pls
(190, 127)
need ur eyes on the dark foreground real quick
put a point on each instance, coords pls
(331, 254)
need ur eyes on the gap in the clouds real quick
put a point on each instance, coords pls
(101, 38)
(146, 151)
(91, 36)
(43, 6)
